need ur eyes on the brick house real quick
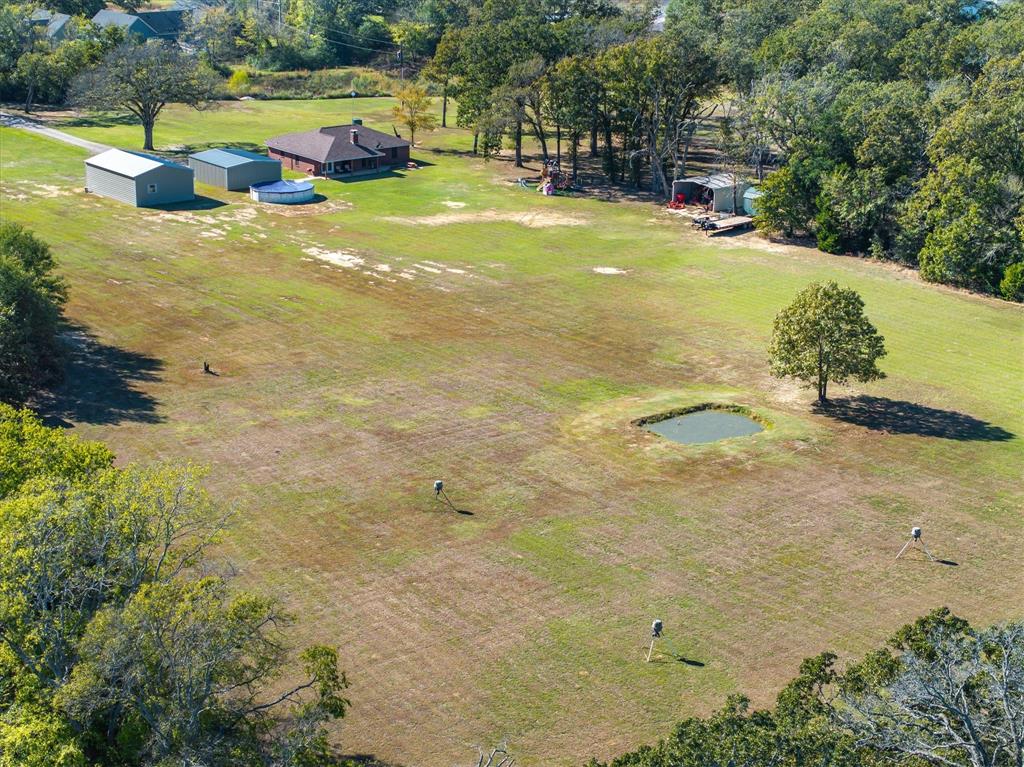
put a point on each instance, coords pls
(339, 150)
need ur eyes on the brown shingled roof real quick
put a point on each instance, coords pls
(334, 143)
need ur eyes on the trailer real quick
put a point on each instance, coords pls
(714, 226)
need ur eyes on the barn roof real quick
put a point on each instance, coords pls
(166, 23)
(334, 143)
(128, 22)
(230, 158)
(130, 164)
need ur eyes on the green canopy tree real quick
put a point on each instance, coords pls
(823, 337)
(142, 80)
(942, 693)
(440, 70)
(31, 299)
(119, 645)
(571, 89)
(414, 110)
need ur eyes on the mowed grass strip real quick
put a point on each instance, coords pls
(473, 341)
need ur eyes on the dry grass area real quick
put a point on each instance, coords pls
(509, 360)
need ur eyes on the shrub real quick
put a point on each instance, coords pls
(1012, 285)
(239, 82)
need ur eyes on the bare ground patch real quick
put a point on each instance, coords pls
(531, 219)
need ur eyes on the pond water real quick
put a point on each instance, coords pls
(705, 426)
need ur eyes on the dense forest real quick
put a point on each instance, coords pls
(884, 128)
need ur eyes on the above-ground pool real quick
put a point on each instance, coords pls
(704, 426)
(282, 192)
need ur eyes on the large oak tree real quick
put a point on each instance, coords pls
(824, 336)
(142, 80)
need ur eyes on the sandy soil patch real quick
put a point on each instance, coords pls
(345, 258)
(310, 209)
(532, 219)
(244, 215)
(454, 204)
(609, 270)
(28, 189)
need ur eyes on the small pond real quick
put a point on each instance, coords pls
(704, 426)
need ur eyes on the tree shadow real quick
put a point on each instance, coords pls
(364, 760)
(898, 417)
(99, 120)
(185, 150)
(100, 383)
(358, 178)
(670, 658)
(421, 162)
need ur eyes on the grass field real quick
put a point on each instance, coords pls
(446, 323)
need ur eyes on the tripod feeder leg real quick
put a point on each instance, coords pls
(649, 651)
(905, 547)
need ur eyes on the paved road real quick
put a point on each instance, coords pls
(13, 121)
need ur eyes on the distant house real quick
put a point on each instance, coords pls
(164, 25)
(339, 150)
(138, 179)
(722, 191)
(54, 25)
(233, 168)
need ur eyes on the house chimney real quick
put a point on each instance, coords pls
(357, 120)
(354, 135)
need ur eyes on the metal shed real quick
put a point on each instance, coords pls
(750, 200)
(138, 179)
(716, 190)
(233, 168)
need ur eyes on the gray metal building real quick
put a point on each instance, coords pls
(233, 168)
(138, 179)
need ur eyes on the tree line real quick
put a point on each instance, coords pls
(885, 128)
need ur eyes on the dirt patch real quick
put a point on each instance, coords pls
(345, 258)
(531, 219)
(311, 209)
(609, 270)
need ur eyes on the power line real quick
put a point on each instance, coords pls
(328, 39)
(346, 34)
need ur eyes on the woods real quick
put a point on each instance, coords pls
(888, 130)
(121, 642)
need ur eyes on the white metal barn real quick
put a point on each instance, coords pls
(138, 179)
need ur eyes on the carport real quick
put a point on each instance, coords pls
(721, 192)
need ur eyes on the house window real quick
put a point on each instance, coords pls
(330, 167)
(151, 188)
(394, 152)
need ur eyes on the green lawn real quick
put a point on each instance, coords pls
(446, 323)
(251, 122)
